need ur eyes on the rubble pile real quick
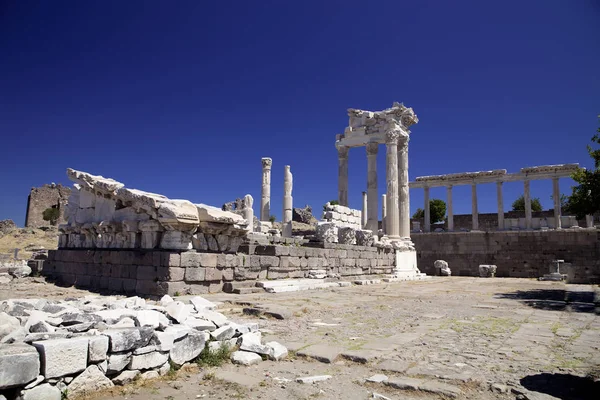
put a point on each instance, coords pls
(77, 346)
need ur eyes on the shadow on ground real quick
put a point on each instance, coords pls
(563, 386)
(554, 299)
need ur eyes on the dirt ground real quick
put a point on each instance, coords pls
(26, 239)
(468, 338)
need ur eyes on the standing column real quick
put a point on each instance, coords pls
(288, 184)
(383, 213)
(556, 197)
(403, 195)
(363, 217)
(391, 162)
(265, 194)
(343, 175)
(500, 205)
(427, 211)
(450, 211)
(527, 198)
(372, 196)
(475, 213)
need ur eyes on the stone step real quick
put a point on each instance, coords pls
(247, 290)
(230, 287)
(367, 281)
(288, 282)
(297, 288)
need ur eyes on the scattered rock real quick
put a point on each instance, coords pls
(19, 365)
(441, 268)
(245, 358)
(62, 356)
(313, 379)
(378, 378)
(125, 377)
(189, 347)
(487, 271)
(89, 381)
(42, 392)
(277, 351)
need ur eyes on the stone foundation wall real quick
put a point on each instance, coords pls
(41, 198)
(517, 254)
(155, 273)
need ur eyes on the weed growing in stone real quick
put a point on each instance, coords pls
(214, 358)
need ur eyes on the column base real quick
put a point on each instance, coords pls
(406, 267)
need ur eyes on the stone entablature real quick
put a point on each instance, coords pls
(498, 175)
(103, 213)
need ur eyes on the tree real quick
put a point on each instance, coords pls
(331, 202)
(437, 211)
(519, 204)
(564, 203)
(51, 215)
(585, 199)
(272, 218)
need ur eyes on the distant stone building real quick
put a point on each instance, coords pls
(42, 198)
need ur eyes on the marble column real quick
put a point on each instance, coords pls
(450, 210)
(391, 162)
(343, 175)
(372, 195)
(383, 213)
(403, 195)
(426, 210)
(249, 212)
(287, 203)
(527, 198)
(364, 213)
(500, 198)
(556, 198)
(265, 194)
(475, 213)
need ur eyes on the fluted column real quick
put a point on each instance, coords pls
(391, 162)
(500, 205)
(383, 213)
(265, 194)
(527, 198)
(556, 198)
(426, 210)
(403, 195)
(343, 175)
(475, 212)
(372, 195)
(450, 211)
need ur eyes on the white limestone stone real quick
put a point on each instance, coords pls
(162, 340)
(327, 232)
(149, 360)
(215, 317)
(201, 303)
(152, 318)
(223, 333)
(208, 213)
(36, 382)
(41, 392)
(19, 365)
(189, 347)
(117, 362)
(346, 235)
(277, 351)
(178, 331)
(122, 339)
(8, 324)
(251, 342)
(125, 377)
(442, 268)
(90, 381)
(313, 379)
(62, 356)
(245, 358)
(98, 348)
(178, 311)
(200, 324)
(176, 240)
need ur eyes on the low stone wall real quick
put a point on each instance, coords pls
(155, 273)
(523, 254)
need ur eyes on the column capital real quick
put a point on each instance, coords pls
(392, 136)
(342, 151)
(266, 162)
(372, 148)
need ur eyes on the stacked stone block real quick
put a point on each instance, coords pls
(156, 273)
(342, 216)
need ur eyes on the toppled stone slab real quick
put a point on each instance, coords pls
(61, 357)
(42, 392)
(19, 365)
(189, 347)
(320, 352)
(378, 378)
(245, 358)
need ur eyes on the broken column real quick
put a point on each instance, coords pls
(383, 213)
(363, 221)
(265, 196)
(286, 229)
(343, 175)
(249, 212)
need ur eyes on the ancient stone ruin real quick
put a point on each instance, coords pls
(42, 198)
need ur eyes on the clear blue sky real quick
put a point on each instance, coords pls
(184, 98)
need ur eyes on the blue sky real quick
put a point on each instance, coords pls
(184, 98)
